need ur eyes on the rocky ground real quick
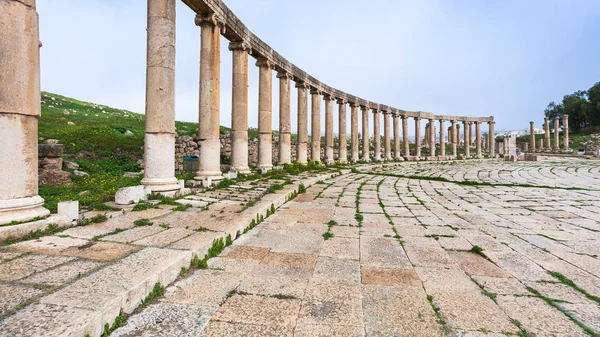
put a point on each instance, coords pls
(431, 249)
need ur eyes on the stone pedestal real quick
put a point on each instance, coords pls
(365, 133)
(285, 123)
(239, 107)
(354, 131)
(19, 112)
(302, 150)
(265, 112)
(343, 155)
(315, 125)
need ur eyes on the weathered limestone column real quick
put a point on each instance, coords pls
(396, 123)
(556, 130)
(376, 134)
(466, 132)
(418, 137)
(531, 137)
(285, 122)
(315, 131)
(566, 131)
(450, 136)
(427, 134)
(405, 136)
(491, 139)
(365, 133)
(547, 134)
(329, 129)
(470, 131)
(210, 86)
(239, 107)
(159, 137)
(386, 136)
(431, 137)
(19, 112)
(457, 134)
(354, 131)
(442, 138)
(343, 136)
(478, 139)
(265, 114)
(454, 132)
(302, 146)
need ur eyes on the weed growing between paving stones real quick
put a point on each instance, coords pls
(142, 206)
(164, 200)
(564, 280)
(487, 293)
(116, 231)
(477, 250)
(157, 291)
(358, 217)
(14, 222)
(522, 332)
(164, 225)
(438, 236)
(118, 322)
(301, 189)
(328, 235)
(142, 222)
(440, 318)
(95, 219)
(181, 208)
(50, 230)
(453, 228)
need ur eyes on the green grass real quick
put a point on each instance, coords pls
(51, 229)
(142, 222)
(563, 279)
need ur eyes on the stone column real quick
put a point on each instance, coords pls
(405, 141)
(159, 138)
(315, 133)
(418, 137)
(20, 111)
(329, 129)
(365, 133)
(556, 130)
(454, 132)
(466, 132)
(396, 123)
(531, 137)
(442, 138)
(239, 107)
(450, 135)
(210, 87)
(376, 135)
(285, 122)
(457, 134)
(431, 137)
(354, 131)
(478, 139)
(343, 136)
(427, 134)
(566, 131)
(491, 140)
(470, 130)
(386, 136)
(302, 145)
(265, 114)
(547, 134)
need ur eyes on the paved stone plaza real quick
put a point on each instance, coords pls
(399, 261)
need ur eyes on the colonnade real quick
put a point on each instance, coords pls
(546, 144)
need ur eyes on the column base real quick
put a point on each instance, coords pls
(243, 169)
(22, 209)
(162, 184)
(329, 161)
(212, 175)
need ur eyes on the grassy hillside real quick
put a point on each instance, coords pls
(576, 140)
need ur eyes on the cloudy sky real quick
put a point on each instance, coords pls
(502, 58)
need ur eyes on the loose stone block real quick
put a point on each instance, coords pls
(69, 209)
(132, 194)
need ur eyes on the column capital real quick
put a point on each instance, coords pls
(302, 85)
(341, 101)
(208, 19)
(364, 108)
(375, 111)
(263, 62)
(441, 120)
(328, 97)
(476, 122)
(240, 45)
(403, 116)
(491, 122)
(556, 117)
(453, 121)
(284, 75)
(417, 118)
(565, 115)
(354, 105)
(386, 112)
(315, 91)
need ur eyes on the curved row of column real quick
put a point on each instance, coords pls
(545, 144)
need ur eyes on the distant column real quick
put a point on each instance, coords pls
(210, 98)
(405, 141)
(354, 131)
(491, 139)
(431, 137)
(302, 146)
(386, 136)
(343, 136)
(442, 138)
(396, 123)
(470, 130)
(457, 134)
(239, 107)
(20, 110)
(531, 137)
(329, 129)
(418, 137)
(547, 134)
(285, 122)
(478, 139)
(556, 130)
(376, 134)
(365, 133)
(566, 131)
(466, 139)
(265, 114)
(315, 133)
(454, 143)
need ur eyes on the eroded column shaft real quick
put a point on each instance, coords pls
(285, 122)
(329, 129)
(417, 136)
(302, 146)
(566, 131)
(556, 130)
(354, 132)
(405, 141)
(265, 114)
(376, 135)
(547, 134)
(396, 123)
(478, 139)
(531, 137)
(365, 133)
(239, 107)
(492, 139)
(466, 139)
(431, 137)
(315, 125)
(442, 138)
(343, 139)
(454, 142)
(386, 136)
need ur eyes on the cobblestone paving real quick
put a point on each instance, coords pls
(405, 257)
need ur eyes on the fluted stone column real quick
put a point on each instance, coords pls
(343, 136)
(405, 141)
(396, 123)
(376, 135)
(239, 107)
(386, 136)
(556, 130)
(442, 138)
(431, 137)
(418, 137)
(365, 133)
(454, 132)
(354, 131)
(210, 95)
(566, 131)
(159, 137)
(547, 134)
(531, 137)
(265, 114)
(492, 139)
(19, 112)
(329, 129)
(285, 122)
(478, 139)
(302, 145)
(466, 139)
(315, 133)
